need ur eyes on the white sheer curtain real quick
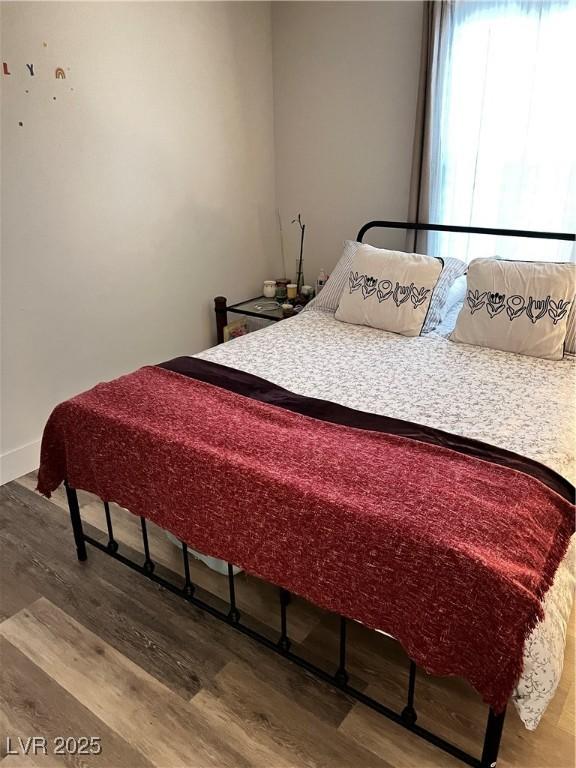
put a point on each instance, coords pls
(503, 128)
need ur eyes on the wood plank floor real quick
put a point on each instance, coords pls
(93, 649)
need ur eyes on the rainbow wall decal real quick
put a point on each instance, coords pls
(60, 74)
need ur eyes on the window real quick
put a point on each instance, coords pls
(506, 131)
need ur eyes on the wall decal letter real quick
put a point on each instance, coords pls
(31, 69)
(60, 74)
(5, 68)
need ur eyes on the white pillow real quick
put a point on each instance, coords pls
(448, 321)
(329, 296)
(390, 290)
(450, 310)
(453, 270)
(517, 306)
(455, 295)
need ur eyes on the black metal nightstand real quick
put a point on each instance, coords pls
(249, 308)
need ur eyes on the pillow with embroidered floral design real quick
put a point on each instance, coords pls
(390, 290)
(517, 306)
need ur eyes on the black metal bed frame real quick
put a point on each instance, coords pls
(282, 645)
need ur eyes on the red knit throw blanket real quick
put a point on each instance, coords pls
(448, 553)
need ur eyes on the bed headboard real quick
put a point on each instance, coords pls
(466, 230)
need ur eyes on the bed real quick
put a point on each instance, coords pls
(456, 388)
(512, 402)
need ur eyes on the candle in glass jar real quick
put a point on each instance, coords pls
(269, 289)
(292, 289)
(281, 293)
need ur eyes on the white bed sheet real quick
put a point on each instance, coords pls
(520, 403)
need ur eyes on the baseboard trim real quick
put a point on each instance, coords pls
(19, 461)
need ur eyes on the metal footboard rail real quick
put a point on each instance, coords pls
(407, 718)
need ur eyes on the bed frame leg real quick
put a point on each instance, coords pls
(341, 675)
(492, 739)
(76, 521)
(284, 641)
(233, 613)
(188, 586)
(409, 713)
(148, 564)
(112, 543)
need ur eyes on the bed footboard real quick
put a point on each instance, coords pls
(407, 718)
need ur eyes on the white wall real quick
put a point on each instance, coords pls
(131, 200)
(345, 93)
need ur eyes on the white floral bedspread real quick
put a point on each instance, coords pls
(523, 404)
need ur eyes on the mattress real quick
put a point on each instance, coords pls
(519, 403)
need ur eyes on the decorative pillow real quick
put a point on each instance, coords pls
(517, 306)
(453, 269)
(329, 296)
(390, 290)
